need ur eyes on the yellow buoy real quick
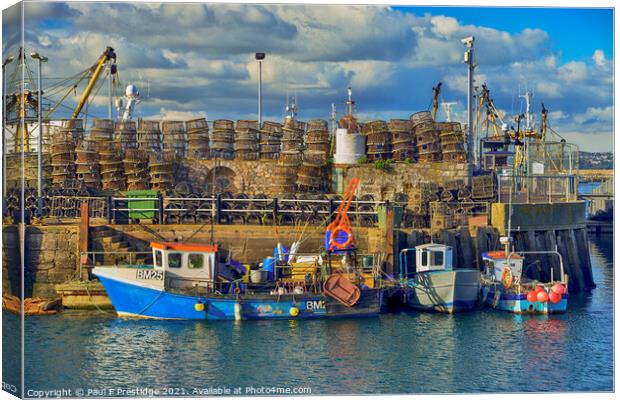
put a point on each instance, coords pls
(199, 307)
(294, 311)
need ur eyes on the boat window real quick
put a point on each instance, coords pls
(425, 258)
(158, 258)
(437, 258)
(196, 261)
(174, 260)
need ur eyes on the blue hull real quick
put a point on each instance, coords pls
(518, 304)
(141, 302)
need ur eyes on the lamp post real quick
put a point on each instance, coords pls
(4, 64)
(468, 58)
(260, 57)
(41, 60)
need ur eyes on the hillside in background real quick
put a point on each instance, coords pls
(596, 160)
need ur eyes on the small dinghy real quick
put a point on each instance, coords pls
(342, 289)
(32, 306)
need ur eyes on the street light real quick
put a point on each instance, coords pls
(260, 57)
(4, 64)
(468, 58)
(41, 60)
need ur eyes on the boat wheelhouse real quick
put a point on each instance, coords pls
(505, 285)
(435, 284)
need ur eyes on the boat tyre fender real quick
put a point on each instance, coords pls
(334, 235)
(507, 278)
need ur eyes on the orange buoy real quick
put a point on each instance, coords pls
(542, 296)
(531, 296)
(539, 289)
(554, 297)
(558, 288)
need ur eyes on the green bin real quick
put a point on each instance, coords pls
(144, 207)
(382, 215)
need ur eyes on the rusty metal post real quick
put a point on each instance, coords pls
(389, 240)
(275, 210)
(218, 209)
(160, 208)
(83, 235)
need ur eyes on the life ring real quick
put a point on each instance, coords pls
(237, 290)
(507, 277)
(334, 235)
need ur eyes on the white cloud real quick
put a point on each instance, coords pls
(573, 71)
(198, 58)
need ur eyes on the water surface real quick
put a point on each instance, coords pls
(401, 352)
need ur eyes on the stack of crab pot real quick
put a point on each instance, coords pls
(102, 130)
(285, 172)
(311, 174)
(125, 134)
(222, 139)
(452, 142)
(403, 139)
(317, 138)
(174, 137)
(378, 140)
(63, 155)
(136, 169)
(418, 203)
(111, 166)
(75, 127)
(246, 140)
(270, 140)
(284, 179)
(149, 136)
(293, 135)
(161, 170)
(87, 164)
(427, 137)
(197, 138)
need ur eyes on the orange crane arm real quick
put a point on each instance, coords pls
(342, 218)
(108, 54)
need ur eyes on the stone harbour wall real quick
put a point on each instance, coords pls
(51, 257)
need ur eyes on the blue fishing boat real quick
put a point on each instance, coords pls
(506, 287)
(434, 284)
(183, 284)
(196, 281)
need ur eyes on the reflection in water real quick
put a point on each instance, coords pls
(403, 352)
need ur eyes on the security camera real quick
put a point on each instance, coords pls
(468, 41)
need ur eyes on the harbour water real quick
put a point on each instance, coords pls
(399, 352)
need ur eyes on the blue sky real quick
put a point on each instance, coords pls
(196, 60)
(577, 32)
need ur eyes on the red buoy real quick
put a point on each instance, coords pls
(539, 289)
(542, 296)
(558, 288)
(531, 296)
(554, 297)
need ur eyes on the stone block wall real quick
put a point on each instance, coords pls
(51, 257)
(399, 177)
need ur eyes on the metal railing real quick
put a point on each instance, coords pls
(537, 188)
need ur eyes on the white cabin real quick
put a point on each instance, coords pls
(496, 261)
(185, 265)
(433, 257)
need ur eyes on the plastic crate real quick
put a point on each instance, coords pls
(143, 207)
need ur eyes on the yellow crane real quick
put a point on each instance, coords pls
(96, 69)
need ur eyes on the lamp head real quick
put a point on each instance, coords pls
(8, 60)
